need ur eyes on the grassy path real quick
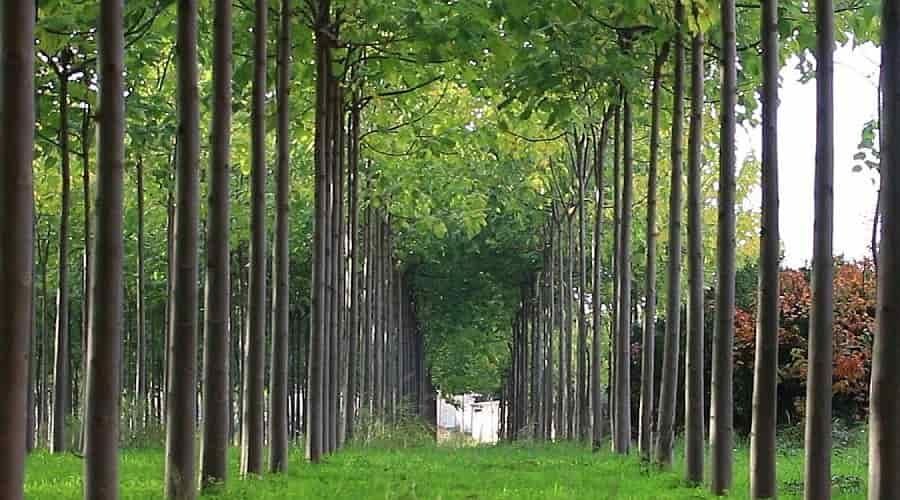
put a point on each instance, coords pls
(503, 472)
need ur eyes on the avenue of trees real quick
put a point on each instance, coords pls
(299, 220)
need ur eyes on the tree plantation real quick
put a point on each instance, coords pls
(248, 249)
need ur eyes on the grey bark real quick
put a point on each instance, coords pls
(821, 316)
(102, 416)
(16, 247)
(763, 479)
(182, 365)
(721, 420)
(216, 355)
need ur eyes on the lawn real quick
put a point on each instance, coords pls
(522, 471)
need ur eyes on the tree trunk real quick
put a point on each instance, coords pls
(340, 277)
(104, 339)
(570, 318)
(278, 393)
(16, 247)
(181, 406)
(596, 351)
(584, 417)
(763, 479)
(648, 340)
(669, 383)
(722, 420)
(884, 435)
(254, 367)
(62, 384)
(315, 398)
(819, 383)
(622, 437)
(562, 317)
(617, 218)
(216, 355)
(140, 375)
(86, 269)
(355, 275)
(694, 367)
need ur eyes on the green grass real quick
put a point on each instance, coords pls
(522, 471)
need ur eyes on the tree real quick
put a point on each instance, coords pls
(765, 381)
(102, 416)
(819, 388)
(62, 383)
(140, 375)
(581, 366)
(884, 436)
(216, 355)
(254, 366)
(278, 447)
(721, 413)
(648, 340)
(622, 436)
(16, 244)
(694, 366)
(316, 361)
(181, 398)
(669, 386)
(596, 351)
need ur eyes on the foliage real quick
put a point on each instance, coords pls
(854, 322)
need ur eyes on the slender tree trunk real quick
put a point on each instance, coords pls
(140, 377)
(86, 269)
(562, 317)
(339, 227)
(181, 406)
(596, 351)
(884, 435)
(31, 418)
(694, 368)
(722, 420)
(648, 341)
(584, 417)
(622, 437)
(617, 218)
(278, 393)
(368, 323)
(62, 383)
(216, 355)
(765, 378)
(102, 415)
(170, 290)
(44, 256)
(380, 316)
(669, 385)
(337, 292)
(16, 246)
(819, 383)
(570, 318)
(315, 398)
(355, 275)
(254, 367)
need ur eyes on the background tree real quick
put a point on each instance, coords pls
(884, 438)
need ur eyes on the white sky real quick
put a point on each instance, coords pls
(856, 89)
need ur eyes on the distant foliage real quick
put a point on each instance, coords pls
(854, 323)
